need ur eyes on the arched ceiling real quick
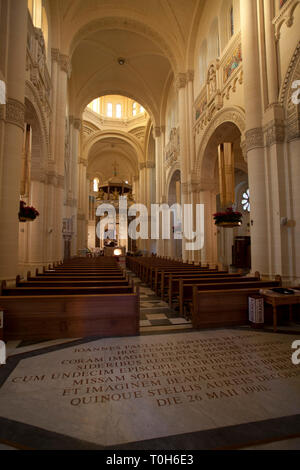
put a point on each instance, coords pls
(105, 153)
(97, 72)
(152, 36)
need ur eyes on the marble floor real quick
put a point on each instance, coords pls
(170, 388)
(194, 390)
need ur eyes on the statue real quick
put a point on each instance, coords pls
(212, 80)
(115, 195)
(101, 194)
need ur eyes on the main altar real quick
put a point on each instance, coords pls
(110, 193)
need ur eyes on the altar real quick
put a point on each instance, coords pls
(109, 193)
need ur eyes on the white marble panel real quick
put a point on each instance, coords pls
(119, 390)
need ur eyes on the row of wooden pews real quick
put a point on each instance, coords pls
(211, 297)
(79, 298)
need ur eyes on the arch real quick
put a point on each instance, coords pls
(174, 170)
(293, 73)
(291, 109)
(233, 115)
(148, 106)
(126, 137)
(32, 96)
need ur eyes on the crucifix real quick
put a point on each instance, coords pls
(115, 167)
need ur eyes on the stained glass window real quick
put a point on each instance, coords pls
(246, 201)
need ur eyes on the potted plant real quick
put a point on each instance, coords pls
(228, 219)
(27, 213)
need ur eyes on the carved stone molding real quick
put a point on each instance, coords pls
(55, 54)
(148, 164)
(274, 133)
(254, 139)
(292, 74)
(292, 110)
(15, 112)
(285, 16)
(293, 125)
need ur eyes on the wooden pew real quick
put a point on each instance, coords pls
(220, 308)
(160, 273)
(72, 316)
(186, 290)
(71, 283)
(174, 281)
(65, 290)
(161, 276)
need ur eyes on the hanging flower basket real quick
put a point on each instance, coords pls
(27, 213)
(228, 219)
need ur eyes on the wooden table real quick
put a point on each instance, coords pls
(275, 299)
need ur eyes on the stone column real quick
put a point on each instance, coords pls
(208, 254)
(158, 179)
(82, 214)
(271, 56)
(254, 137)
(190, 92)
(60, 120)
(184, 156)
(37, 228)
(75, 146)
(13, 140)
(150, 198)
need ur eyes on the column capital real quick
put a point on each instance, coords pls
(15, 112)
(157, 131)
(190, 75)
(83, 161)
(55, 54)
(77, 123)
(254, 138)
(274, 132)
(65, 64)
(180, 80)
